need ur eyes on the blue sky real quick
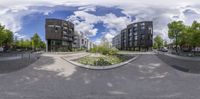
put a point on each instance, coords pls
(35, 22)
(97, 19)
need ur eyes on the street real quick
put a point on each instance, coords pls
(148, 77)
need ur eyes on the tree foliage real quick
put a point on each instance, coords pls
(104, 49)
(158, 42)
(183, 34)
(6, 36)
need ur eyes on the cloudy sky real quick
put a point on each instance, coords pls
(96, 18)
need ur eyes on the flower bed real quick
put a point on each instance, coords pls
(103, 60)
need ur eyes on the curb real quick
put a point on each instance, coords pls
(10, 58)
(180, 57)
(100, 67)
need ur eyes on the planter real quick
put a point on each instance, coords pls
(72, 61)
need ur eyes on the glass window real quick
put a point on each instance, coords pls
(135, 33)
(135, 43)
(142, 36)
(143, 27)
(64, 43)
(130, 34)
(135, 25)
(142, 23)
(52, 42)
(82, 41)
(51, 26)
(136, 37)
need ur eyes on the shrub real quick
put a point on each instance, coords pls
(101, 62)
(104, 50)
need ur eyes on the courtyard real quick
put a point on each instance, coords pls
(147, 77)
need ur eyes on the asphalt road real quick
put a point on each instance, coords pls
(185, 65)
(148, 77)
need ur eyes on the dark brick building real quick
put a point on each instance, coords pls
(59, 35)
(137, 36)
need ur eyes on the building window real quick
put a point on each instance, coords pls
(130, 30)
(130, 39)
(142, 37)
(143, 24)
(130, 34)
(130, 44)
(64, 43)
(135, 25)
(136, 37)
(64, 33)
(82, 41)
(52, 42)
(135, 43)
(51, 26)
(57, 26)
(143, 27)
(65, 28)
(135, 33)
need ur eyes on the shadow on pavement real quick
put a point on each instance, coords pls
(17, 64)
(180, 64)
(63, 81)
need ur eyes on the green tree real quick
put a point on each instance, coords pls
(35, 41)
(2, 35)
(158, 41)
(175, 31)
(9, 37)
(195, 34)
(42, 45)
(27, 43)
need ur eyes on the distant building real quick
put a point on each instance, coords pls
(83, 42)
(116, 42)
(76, 42)
(59, 35)
(137, 36)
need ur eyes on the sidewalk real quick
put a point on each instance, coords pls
(183, 57)
(135, 52)
(10, 58)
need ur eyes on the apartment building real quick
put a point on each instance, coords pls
(83, 42)
(59, 35)
(136, 36)
(117, 41)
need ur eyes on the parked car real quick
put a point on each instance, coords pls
(163, 49)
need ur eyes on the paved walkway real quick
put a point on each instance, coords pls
(134, 52)
(9, 58)
(147, 77)
(184, 58)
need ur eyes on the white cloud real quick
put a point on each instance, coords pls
(84, 22)
(97, 41)
(109, 36)
(11, 17)
(111, 21)
(161, 12)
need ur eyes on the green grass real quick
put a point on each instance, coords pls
(102, 60)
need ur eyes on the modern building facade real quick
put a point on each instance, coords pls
(82, 42)
(117, 41)
(137, 36)
(59, 35)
